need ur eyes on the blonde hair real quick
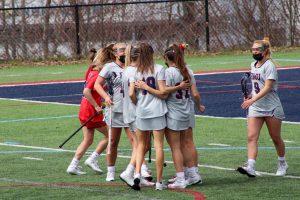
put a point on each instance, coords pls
(265, 43)
(104, 55)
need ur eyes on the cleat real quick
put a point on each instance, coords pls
(93, 164)
(193, 179)
(282, 168)
(124, 176)
(178, 184)
(160, 186)
(246, 169)
(146, 183)
(75, 170)
(110, 176)
(136, 184)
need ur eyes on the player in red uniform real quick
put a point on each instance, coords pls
(90, 104)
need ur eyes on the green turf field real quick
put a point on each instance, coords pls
(34, 131)
(18, 72)
(42, 132)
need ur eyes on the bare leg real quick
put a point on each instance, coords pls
(115, 138)
(188, 148)
(173, 139)
(159, 145)
(103, 143)
(274, 127)
(254, 126)
(88, 136)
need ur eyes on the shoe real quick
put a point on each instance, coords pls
(160, 186)
(75, 170)
(282, 168)
(172, 180)
(179, 183)
(128, 179)
(194, 178)
(93, 164)
(136, 184)
(145, 183)
(146, 174)
(110, 176)
(246, 169)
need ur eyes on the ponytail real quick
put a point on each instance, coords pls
(92, 54)
(175, 53)
(104, 55)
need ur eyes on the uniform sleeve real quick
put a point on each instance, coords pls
(131, 76)
(161, 74)
(169, 78)
(105, 72)
(193, 81)
(91, 82)
(271, 72)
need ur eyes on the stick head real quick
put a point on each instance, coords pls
(246, 84)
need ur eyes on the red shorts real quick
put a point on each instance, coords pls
(86, 111)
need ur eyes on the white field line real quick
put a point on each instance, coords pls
(32, 158)
(214, 117)
(37, 119)
(41, 102)
(288, 141)
(218, 144)
(120, 156)
(54, 96)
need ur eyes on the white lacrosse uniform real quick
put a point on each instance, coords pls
(270, 104)
(178, 102)
(112, 73)
(150, 110)
(129, 108)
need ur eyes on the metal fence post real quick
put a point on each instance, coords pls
(207, 25)
(78, 49)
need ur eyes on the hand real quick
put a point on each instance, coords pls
(201, 108)
(247, 103)
(185, 85)
(98, 109)
(108, 101)
(140, 85)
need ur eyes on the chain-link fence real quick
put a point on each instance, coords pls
(51, 29)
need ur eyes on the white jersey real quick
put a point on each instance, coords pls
(148, 105)
(178, 103)
(113, 76)
(258, 77)
(129, 108)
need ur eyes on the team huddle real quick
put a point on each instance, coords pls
(148, 99)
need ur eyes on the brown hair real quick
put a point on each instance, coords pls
(175, 53)
(132, 53)
(104, 55)
(145, 63)
(92, 54)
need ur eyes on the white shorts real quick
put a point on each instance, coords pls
(192, 121)
(177, 125)
(117, 119)
(132, 127)
(151, 124)
(277, 113)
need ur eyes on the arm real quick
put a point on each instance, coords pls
(99, 88)
(132, 94)
(266, 89)
(88, 95)
(197, 98)
(160, 93)
(182, 86)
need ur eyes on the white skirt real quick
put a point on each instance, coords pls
(277, 113)
(117, 119)
(177, 125)
(151, 124)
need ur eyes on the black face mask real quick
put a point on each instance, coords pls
(167, 64)
(122, 59)
(258, 56)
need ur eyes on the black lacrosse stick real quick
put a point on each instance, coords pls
(245, 82)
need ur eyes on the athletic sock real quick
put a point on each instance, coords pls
(251, 163)
(130, 168)
(94, 155)
(281, 158)
(110, 168)
(74, 161)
